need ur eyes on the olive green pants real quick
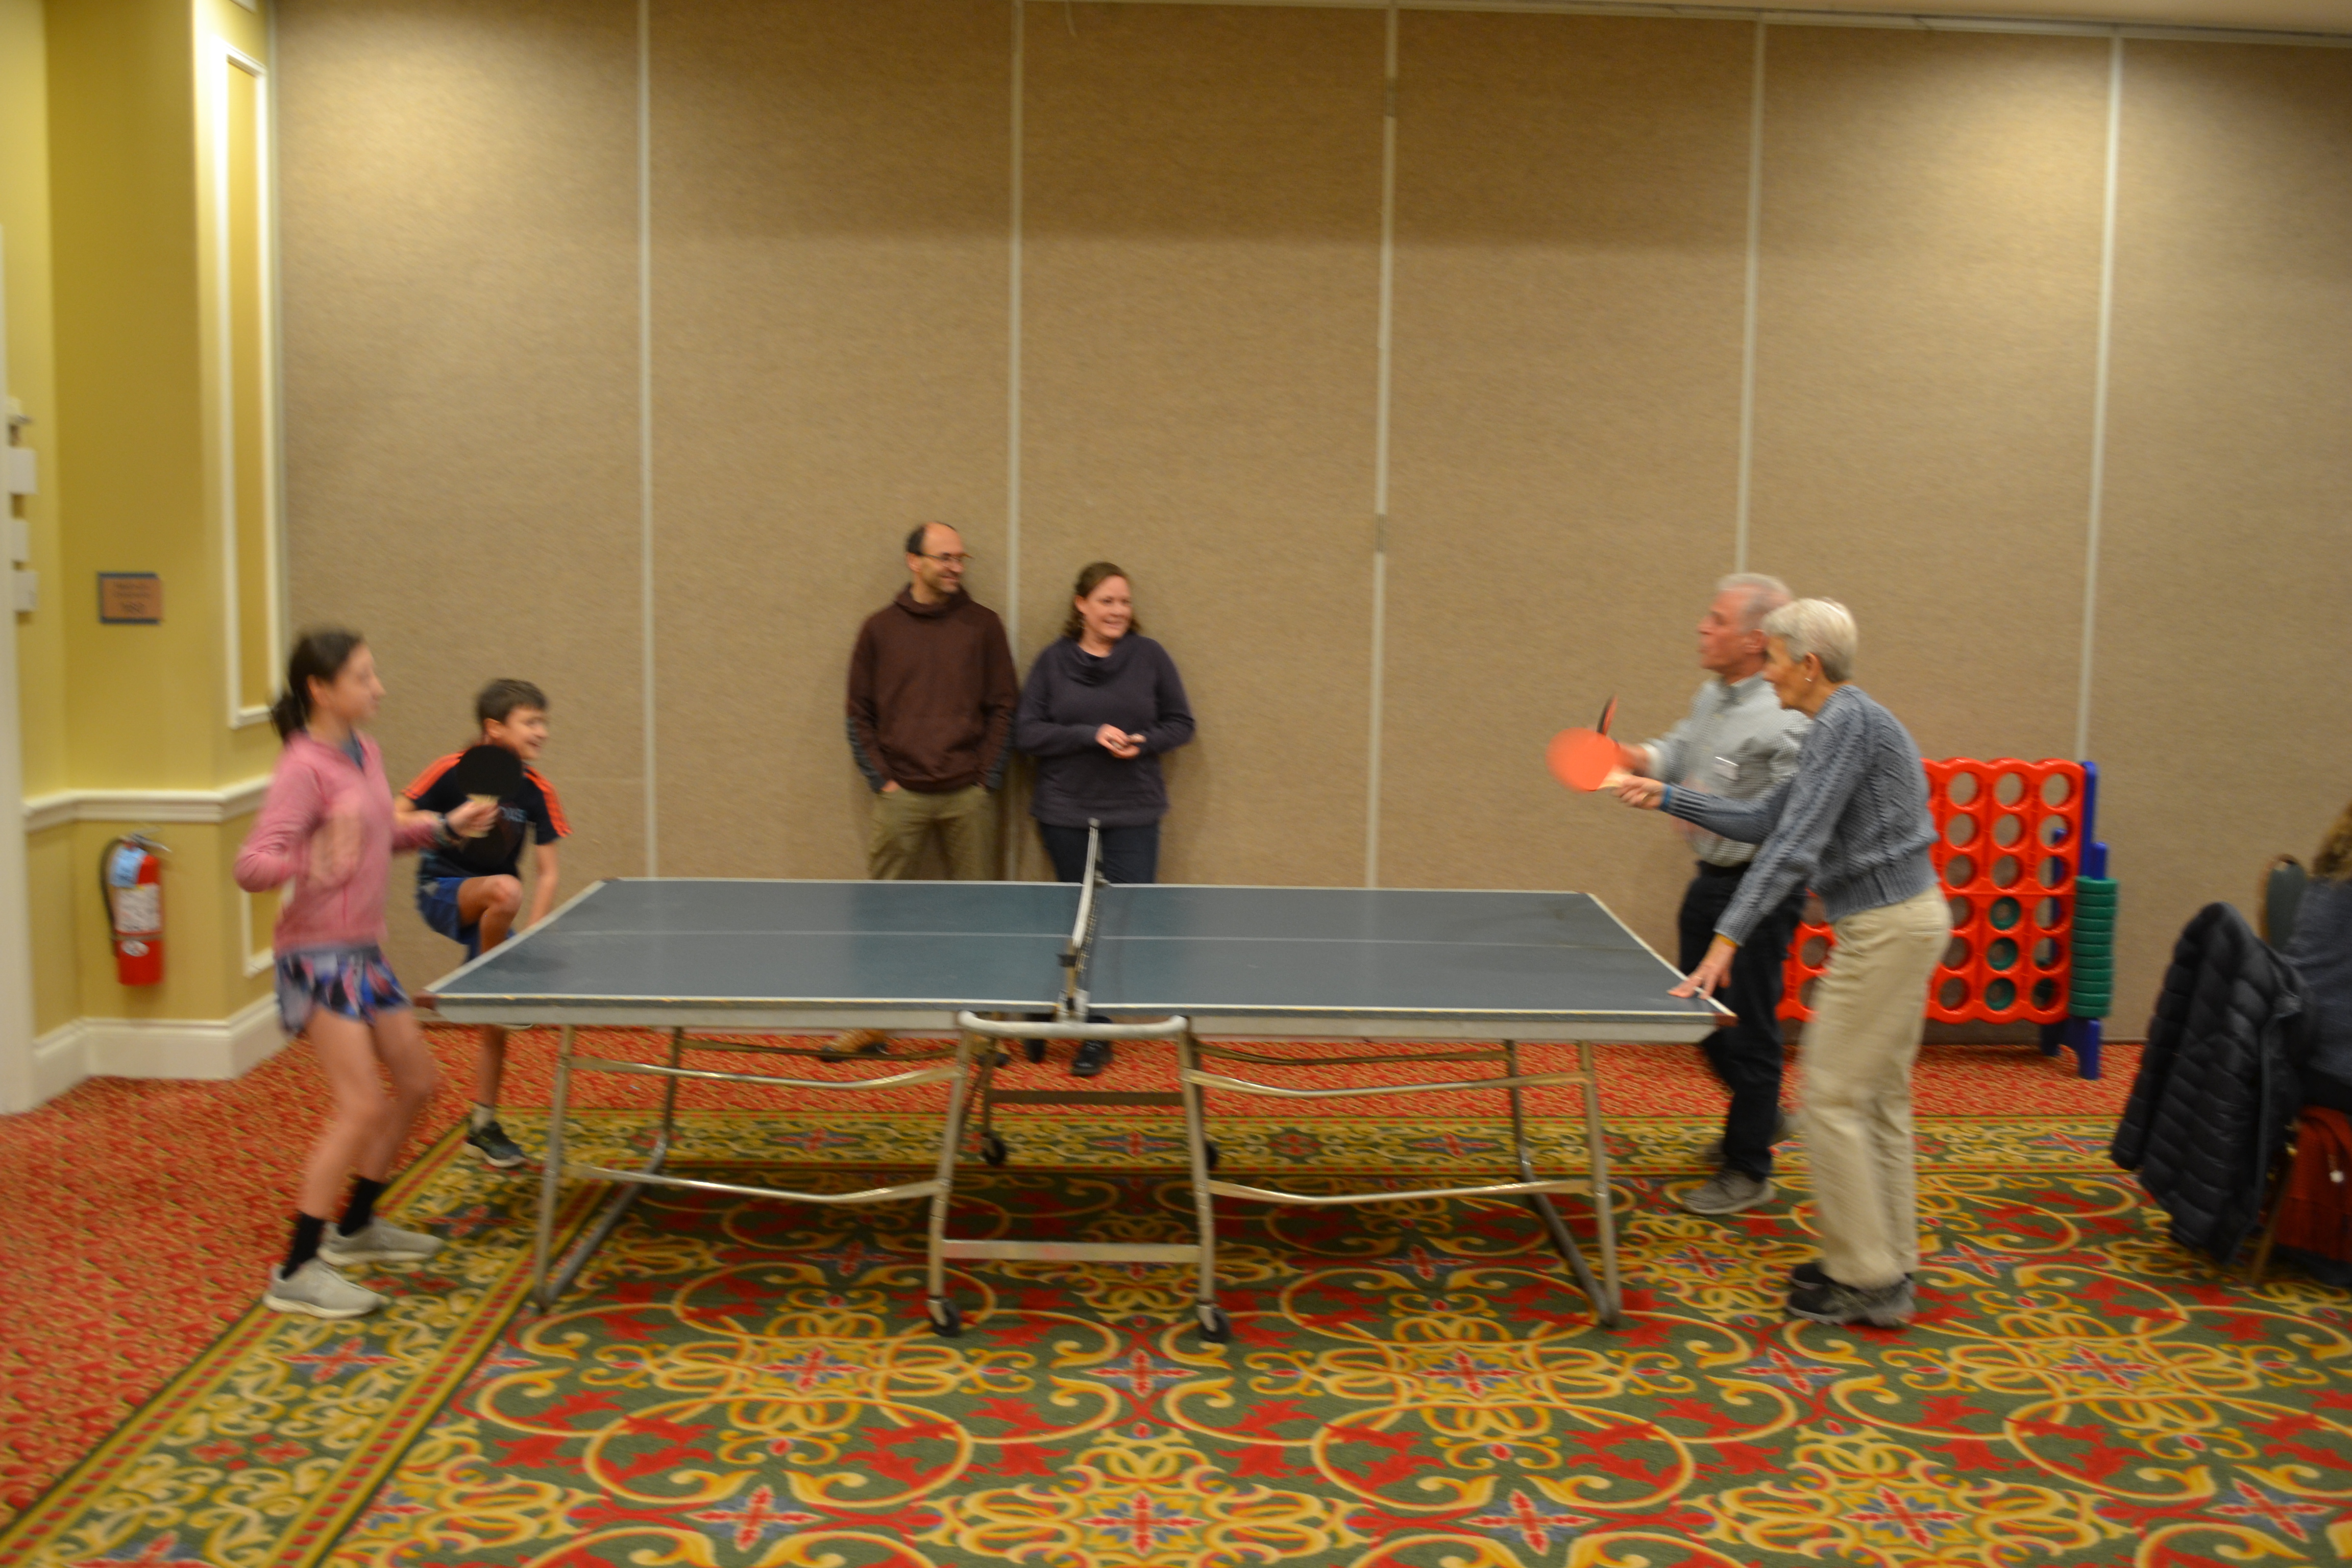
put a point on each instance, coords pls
(905, 819)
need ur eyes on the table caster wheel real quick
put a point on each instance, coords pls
(1209, 1150)
(946, 1321)
(992, 1150)
(1215, 1327)
(1035, 1050)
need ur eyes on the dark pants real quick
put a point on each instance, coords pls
(1745, 1053)
(1129, 854)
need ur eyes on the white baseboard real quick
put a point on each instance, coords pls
(156, 1048)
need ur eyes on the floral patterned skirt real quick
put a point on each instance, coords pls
(354, 982)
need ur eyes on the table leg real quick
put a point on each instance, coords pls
(945, 1320)
(550, 1177)
(1541, 1203)
(670, 1103)
(1613, 1298)
(1215, 1326)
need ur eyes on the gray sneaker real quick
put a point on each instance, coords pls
(1712, 1153)
(318, 1289)
(1728, 1192)
(381, 1242)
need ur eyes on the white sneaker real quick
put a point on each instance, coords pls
(379, 1241)
(319, 1290)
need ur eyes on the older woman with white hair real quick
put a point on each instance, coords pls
(1853, 822)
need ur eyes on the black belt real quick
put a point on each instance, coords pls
(1709, 868)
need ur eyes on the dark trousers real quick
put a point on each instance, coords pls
(1746, 1052)
(1129, 855)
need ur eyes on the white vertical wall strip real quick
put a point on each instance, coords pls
(645, 417)
(281, 564)
(1381, 455)
(1009, 850)
(2099, 390)
(1747, 321)
(1013, 359)
(16, 1088)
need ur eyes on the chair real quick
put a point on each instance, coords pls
(2283, 880)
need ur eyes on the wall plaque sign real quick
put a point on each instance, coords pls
(130, 599)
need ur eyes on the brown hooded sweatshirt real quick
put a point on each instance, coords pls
(932, 692)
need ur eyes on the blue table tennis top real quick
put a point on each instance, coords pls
(1313, 960)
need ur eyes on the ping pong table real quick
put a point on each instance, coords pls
(990, 961)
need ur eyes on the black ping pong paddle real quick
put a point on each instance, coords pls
(487, 772)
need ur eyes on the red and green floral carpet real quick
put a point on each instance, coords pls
(738, 1383)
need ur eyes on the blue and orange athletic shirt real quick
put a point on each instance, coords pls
(497, 853)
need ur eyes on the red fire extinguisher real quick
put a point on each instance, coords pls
(132, 875)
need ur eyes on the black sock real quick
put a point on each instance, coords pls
(361, 1211)
(308, 1228)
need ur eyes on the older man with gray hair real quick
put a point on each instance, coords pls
(1738, 743)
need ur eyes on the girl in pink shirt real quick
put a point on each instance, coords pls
(326, 835)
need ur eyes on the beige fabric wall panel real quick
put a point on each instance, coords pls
(458, 295)
(1926, 361)
(1199, 364)
(832, 208)
(1570, 232)
(2219, 710)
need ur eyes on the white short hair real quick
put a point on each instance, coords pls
(1765, 595)
(1819, 626)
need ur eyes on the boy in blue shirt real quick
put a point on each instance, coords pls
(469, 891)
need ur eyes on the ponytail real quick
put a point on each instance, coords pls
(319, 654)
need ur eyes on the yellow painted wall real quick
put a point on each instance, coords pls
(107, 195)
(52, 874)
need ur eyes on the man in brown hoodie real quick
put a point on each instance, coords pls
(931, 693)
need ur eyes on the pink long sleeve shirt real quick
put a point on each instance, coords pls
(312, 783)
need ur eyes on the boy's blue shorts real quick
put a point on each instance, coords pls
(437, 901)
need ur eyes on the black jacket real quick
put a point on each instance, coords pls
(2217, 1090)
(1070, 696)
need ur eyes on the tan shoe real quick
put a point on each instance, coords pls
(858, 1043)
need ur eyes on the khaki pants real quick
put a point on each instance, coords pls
(965, 820)
(1855, 1065)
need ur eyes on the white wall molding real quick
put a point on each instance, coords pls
(156, 1048)
(145, 805)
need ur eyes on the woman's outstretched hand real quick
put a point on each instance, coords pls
(1636, 791)
(1712, 971)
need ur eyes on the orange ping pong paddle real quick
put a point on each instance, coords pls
(1585, 759)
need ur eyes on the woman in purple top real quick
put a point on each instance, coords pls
(1103, 702)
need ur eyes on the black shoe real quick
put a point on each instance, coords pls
(1093, 1057)
(498, 1151)
(1887, 1307)
(1812, 1273)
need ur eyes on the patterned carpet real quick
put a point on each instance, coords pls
(124, 1181)
(741, 1383)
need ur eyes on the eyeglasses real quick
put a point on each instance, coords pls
(945, 560)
